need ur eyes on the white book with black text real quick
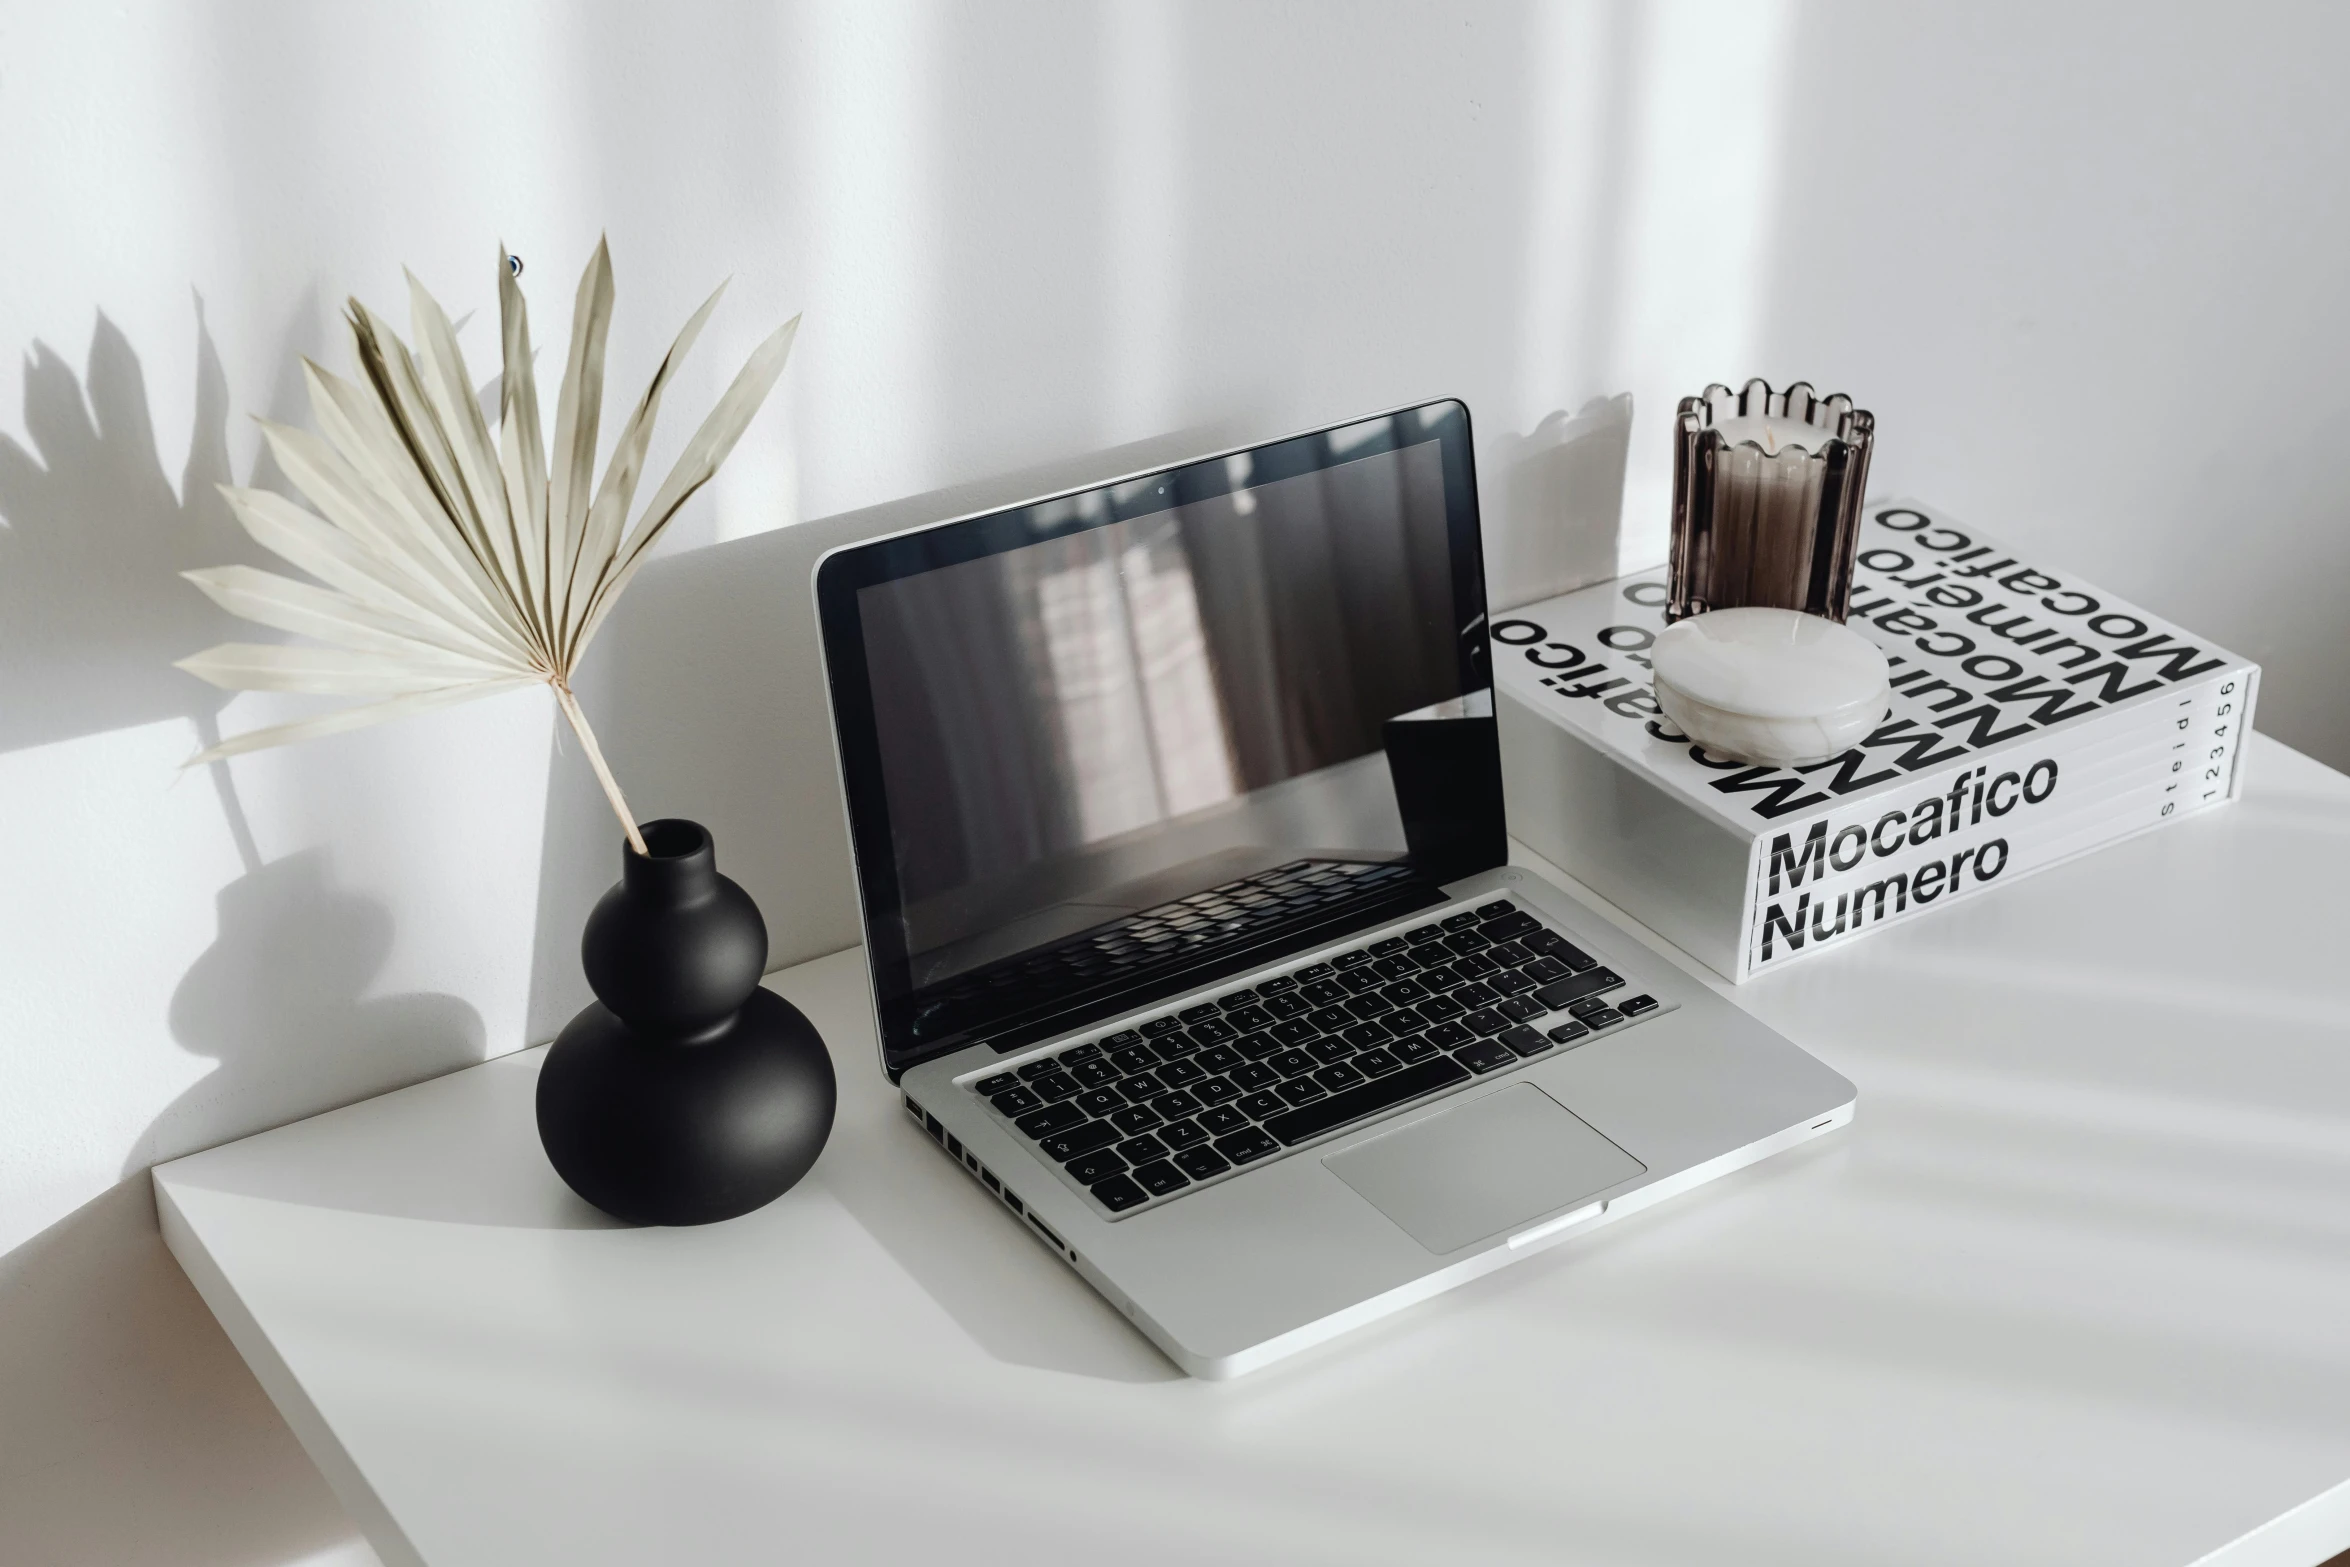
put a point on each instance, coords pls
(2034, 717)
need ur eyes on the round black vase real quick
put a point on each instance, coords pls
(685, 1094)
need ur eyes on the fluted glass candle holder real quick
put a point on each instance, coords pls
(1767, 490)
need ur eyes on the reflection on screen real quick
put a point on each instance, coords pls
(1114, 719)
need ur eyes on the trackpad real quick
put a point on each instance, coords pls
(1465, 1174)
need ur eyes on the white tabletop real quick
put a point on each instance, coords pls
(2074, 1289)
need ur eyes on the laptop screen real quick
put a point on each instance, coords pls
(1107, 746)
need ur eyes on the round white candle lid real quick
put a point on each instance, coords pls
(1770, 663)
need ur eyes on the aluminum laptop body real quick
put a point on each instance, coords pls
(1177, 817)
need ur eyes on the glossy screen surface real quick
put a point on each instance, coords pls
(1159, 717)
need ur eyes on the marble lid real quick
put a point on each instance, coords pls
(1769, 663)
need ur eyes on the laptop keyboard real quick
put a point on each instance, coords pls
(1144, 1114)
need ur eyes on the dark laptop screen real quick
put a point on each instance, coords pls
(1107, 745)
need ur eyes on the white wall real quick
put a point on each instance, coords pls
(2080, 261)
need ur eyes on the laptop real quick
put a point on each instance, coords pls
(1176, 809)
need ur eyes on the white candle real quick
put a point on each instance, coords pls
(1774, 434)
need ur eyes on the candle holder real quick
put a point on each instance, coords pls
(1755, 662)
(1767, 490)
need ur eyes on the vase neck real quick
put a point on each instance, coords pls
(681, 867)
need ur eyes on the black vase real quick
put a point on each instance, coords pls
(685, 1094)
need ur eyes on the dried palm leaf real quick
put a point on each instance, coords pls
(453, 566)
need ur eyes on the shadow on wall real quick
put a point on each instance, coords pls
(92, 606)
(92, 612)
(1563, 500)
(280, 1001)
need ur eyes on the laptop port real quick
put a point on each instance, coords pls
(1047, 1234)
(993, 1184)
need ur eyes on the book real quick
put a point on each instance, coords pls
(2035, 717)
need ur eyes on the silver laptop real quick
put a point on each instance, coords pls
(1176, 806)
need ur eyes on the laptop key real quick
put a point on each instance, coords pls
(1420, 933)
(1161, 1025)
(1254, 1046)
(1181, 1074)
(1485, 1055)
(1160, 1177)
(1566, 992)
(989, 1087)
(1324, 992)
(1051, 1119)
(1099, 1165)
(1511, 927)
(1055, 1086)
(1134, 1118)
(1544, 970)
(1633, 1006)
(1176, 1106)
(1214, 1090)
(1471, 993)
(1141, 1150)
(1588, 1005)
(1328, 1020)
(1202, 1164)
(1524, 1041)
(1120, 1040)
(1213, 1032)
(1243, 1147)
(1521, 1009)
(1494, 910)
(1485, 1021)
(1205, 1009)
(1337, 1076)
(1078, 1055)
(1247, 1017)
(1218, 1058)
(1287, 1005)
(1418, 1048)
(1567, 1033)
(1605, 1017)
(1065, 1146)
(1141, 1086)
(1555, 945)
(1275, 986)
(1261, 1104)
(1181, 1134)
(1292, 1063)
(1379, 1094)
(1093, 1074)
(1101, 1101)
(1119, 1193)
(1294, 1032)
(1300, 1089)
(1312, 971)
(1328, 1050)
(1376, 1062)
(1134, 1058)
(1446, 1035)
(1465, 920)
(1016, 1100)
(1222, 1119)
(1030, 1071)
(1380, 949)
(1508, 982)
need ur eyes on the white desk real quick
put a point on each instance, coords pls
(2074, 1289)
